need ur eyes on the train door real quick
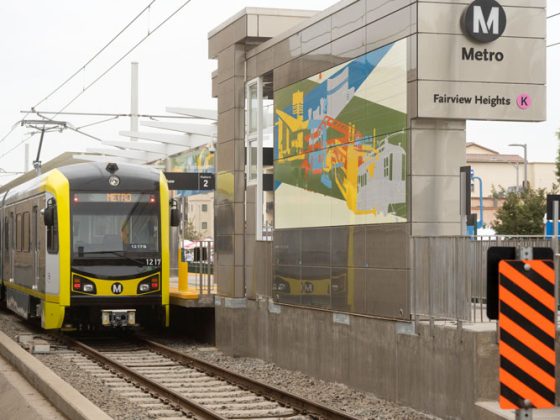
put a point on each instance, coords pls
(35, 244)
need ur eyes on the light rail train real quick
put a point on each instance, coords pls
(87, 246)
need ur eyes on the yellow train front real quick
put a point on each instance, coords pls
(87, 245)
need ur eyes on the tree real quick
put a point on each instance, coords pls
(191, 233)
(522, 213)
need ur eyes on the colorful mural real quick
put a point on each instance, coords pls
(200, 160)
(340, 144)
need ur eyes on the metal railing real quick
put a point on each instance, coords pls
(203, 267)
(448, 276)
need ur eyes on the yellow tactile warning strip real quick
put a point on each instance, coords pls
(527, 334)
(190, 293)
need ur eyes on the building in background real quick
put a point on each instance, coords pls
(200, 212)
(503, 172)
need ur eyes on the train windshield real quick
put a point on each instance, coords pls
(117, 229)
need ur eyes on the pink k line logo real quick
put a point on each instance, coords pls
(524, 101)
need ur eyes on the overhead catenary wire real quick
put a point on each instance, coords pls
(98, 122)
(97, 79)
(111, 114)
(78, 130)
(17, 145)
(112, 66)
(81, 68)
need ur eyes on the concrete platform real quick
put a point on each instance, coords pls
(192, 297)
(58, 392)
(494, 408)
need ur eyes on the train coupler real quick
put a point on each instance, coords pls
(118, 317)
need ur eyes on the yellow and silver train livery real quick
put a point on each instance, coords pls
(87, 245)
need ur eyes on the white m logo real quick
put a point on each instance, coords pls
(116, 288)
(480, 24)
(484, 20)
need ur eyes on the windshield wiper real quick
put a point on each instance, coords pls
(117, 253)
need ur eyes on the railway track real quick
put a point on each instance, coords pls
(171, 385)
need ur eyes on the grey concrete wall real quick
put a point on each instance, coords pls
(436, 152)
(442, 370)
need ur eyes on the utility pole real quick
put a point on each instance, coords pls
(26, 163)
(524, 146)
(134, 99)
(516, 177)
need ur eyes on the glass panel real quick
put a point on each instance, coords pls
(268, 215)
(252, 161)
(103, 228)
(343, 130)
(252, 108)
(6, 232)
(18, 232)
(268, 114)
(52, 235)
(26, 232)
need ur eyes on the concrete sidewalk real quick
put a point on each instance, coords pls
(19, 400)
(61, 394)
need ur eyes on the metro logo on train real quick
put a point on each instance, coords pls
(117, 288)
(484, 20)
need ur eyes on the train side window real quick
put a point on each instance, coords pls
(18, 232)
(26, 232)
(52, 236)
(12, 232)
(6, 233)
(35, 228)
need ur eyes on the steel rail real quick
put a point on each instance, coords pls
(302, 405)
(154, 387)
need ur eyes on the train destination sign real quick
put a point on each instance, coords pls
(122, 197)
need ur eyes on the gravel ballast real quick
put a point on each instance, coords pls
(362, 405)
(88, 385)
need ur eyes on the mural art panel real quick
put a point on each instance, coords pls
(340, 144)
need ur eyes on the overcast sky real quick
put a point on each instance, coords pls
(43, 42)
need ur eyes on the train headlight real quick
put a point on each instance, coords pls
(148, 285)
(80, 284)
(131, 317)
(105, 318)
